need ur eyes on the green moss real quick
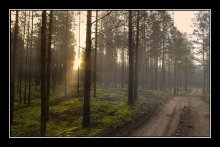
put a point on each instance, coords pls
(26, 122)
(66, 105)
(66, 116)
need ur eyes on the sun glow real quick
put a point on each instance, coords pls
(76, 64)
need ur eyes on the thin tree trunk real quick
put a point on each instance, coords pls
(156, 71)
(49, 64)
(43, 74)
(203, 62)
(136, 60)
(78, 78)
(168, 76)
(163, 55)
(12, 82)
(174, 81)
(156, 46)
(123, 69)
(21, 65)
(20, 76)
(30, 72)
(131, 79)
(186, 78)
(26, 60)
(37, 69)
(142, 65)
(87, 83)
(177, 79)
(54, 65)
(95, 56)
(65, 65)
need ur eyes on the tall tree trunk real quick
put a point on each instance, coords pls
(26, 60)
(12, 82)
(163, 54)
(60, 72)
(174, 81)
(147, 72)
(43, 75)
(123, 63)
(156, 29)
(168, 76)
(49, 64)
(54, 54)
(87, 83)
(123, 69)
(37, 68)
(54, 64)
(177, 79)
(186, 78)
(65, 64)
(20, 76)
(142, 66)
(78, 77)
(203, 61)
(95, 56)
(21, 56)
(208, 64)
(131, 62)
(30, 59)
(136, 60)
(156, 71)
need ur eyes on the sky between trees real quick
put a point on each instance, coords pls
(182, 20)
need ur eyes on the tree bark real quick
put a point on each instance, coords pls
(65, 64)
(95, 56)
(130, 48)
(163, 55)
(12, 82)
(87, 83)
(43, 74)
(26, 60)
(78, 83)
(186, 78)
(174, 81)
(123, 64)
(136, 60)
(21, 60)
(30, 59)
(49, 64)
(203, 61)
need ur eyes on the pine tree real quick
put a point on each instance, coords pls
(136, 59)
(95, 56)
(13, 59)
(43, 75)
(131, 62)
(49, 64)
(87, 84)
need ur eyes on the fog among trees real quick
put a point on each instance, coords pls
(60, 88)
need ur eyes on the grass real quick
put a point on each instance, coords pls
(157, 93)
(66, 116)
(109, 108)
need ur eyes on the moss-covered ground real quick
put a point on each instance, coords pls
(108, 108)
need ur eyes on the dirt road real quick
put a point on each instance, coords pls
(184, 115)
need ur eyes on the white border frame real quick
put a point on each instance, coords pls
(113, 10)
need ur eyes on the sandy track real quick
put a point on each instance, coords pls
(181, 116)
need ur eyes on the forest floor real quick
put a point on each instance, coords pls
(156, 113)
(109, 113)
(182, 116)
